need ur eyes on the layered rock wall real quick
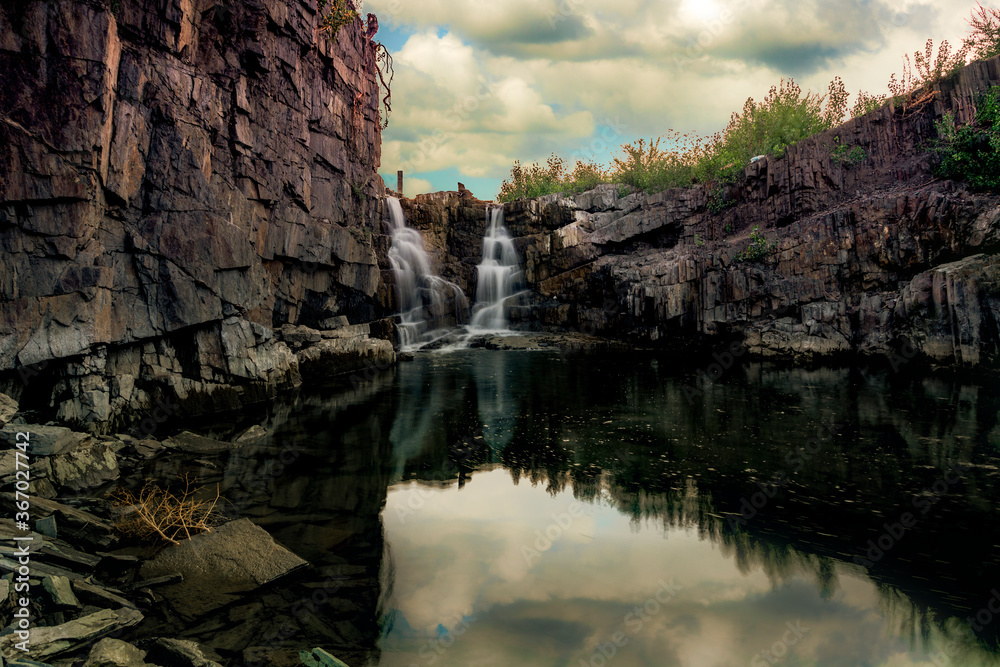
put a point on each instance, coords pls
(872, 257)
(179, 178)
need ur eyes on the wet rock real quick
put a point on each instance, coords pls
(219, 566)
(452, 225)
(192, 443)
(50, 642)
(178, 653)
(339, 356)
(147, 448)
(115, 653)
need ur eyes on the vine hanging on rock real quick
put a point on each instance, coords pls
(381, 62)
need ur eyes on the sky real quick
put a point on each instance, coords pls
(480, 84)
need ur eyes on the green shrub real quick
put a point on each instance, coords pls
(784, 117)
(335, 14)
(867, 102)
(647, 166)
(586, 175)
(534, 180)
(971, 153)
(846, 155)
(758, 249)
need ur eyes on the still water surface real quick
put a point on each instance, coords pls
(525, 508)
(548, 511)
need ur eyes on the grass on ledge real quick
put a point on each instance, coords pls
(784, 117)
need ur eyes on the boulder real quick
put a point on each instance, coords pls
(340, 356)
(252, 434)
(60, 591)
(219, 566)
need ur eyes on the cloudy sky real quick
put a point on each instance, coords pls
(480, 84)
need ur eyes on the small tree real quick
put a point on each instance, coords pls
(984, 38)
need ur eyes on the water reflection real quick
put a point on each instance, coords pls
(498, 508)
(671, 470)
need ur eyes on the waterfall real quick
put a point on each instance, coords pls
(500, 276)
(427, 303)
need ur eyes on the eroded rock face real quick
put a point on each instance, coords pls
(874, 258)
(176, 180)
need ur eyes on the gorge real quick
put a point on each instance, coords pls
(659, 428)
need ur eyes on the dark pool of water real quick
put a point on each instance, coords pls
(522, 508)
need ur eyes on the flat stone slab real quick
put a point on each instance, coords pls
(42, 440)
(219, 566)
(47, 642)
(192, 443)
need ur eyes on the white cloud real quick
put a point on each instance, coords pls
(416, 186)
(479, 85)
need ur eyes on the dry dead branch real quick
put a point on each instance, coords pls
(161, 512)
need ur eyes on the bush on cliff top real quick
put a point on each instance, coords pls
(784, 117)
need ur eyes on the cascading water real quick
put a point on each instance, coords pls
(427, 302)
(500, 276)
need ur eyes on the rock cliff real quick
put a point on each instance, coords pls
(179, 179)
(876, 257)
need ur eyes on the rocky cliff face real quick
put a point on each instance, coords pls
(875, 257)
(178, 180)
